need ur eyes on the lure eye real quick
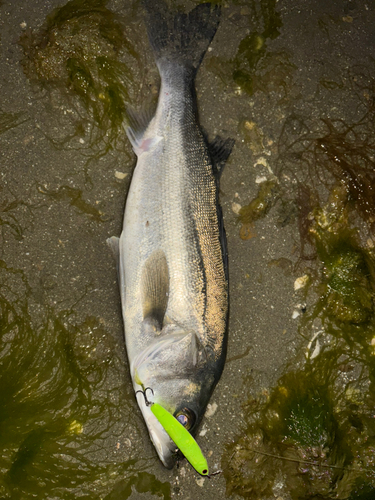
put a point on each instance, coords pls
(186, 417)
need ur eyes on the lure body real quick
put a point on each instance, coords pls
(182, 438)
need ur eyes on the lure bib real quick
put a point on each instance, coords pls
(182, 438)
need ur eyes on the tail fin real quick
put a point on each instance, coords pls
(181, 38)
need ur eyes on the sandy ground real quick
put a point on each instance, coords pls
(62, 250)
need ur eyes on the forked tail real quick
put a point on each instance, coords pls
(180, 38)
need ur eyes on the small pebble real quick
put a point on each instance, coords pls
(120, 175)
(200, 481)
(211, 409)
(301, 282)
(236, 207)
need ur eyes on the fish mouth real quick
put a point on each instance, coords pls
(164, 446)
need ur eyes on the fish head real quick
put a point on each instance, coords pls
(180, 375)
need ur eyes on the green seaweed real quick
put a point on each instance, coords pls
(83, 49)
(253, 48)
(310, 433)
(313, 435)
(347, 286)
(362, 491)
(347, 274)
(304, 413)
(261, 204)
(74, 196)
(268, 195)
(143, 482)
(255, 67)
(54, 412)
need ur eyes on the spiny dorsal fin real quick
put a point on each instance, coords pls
(155, 287)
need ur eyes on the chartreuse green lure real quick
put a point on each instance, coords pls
(182, 438)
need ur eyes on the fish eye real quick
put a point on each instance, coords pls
(186, 417)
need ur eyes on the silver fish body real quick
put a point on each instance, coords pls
(172, 250)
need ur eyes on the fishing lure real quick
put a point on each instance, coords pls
(182, 438)
(179, 435)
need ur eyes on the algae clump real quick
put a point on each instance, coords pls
(307, 437)
(348, 268)
(82, 49)
(349, 291)
(267, 196)
(252, 52)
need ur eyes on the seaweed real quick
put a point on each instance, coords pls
(267, 196)
(313, 434)
(307, 437)
(253, 47)
(82, 49)
(57, 404)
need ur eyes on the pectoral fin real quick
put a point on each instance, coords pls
(155, 287)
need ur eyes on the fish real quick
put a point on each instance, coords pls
(172, 252)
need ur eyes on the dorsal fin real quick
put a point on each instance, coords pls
(220, 150)
(155, 287)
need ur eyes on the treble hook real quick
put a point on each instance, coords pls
(148, 403)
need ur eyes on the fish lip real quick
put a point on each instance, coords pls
(166, 454)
